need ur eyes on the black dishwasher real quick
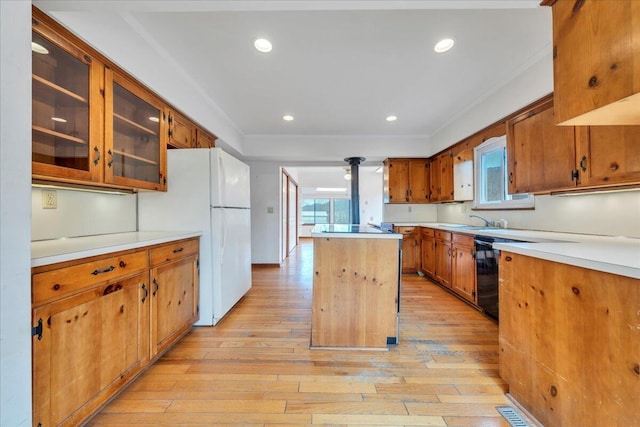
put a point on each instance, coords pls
(487, 272)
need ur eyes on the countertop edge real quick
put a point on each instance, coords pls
(389, 236)
(130, 240)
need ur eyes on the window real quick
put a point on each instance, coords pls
(325, 211)
(491, 178)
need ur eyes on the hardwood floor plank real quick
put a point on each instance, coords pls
(255, 367)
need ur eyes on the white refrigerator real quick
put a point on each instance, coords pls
(208, 191)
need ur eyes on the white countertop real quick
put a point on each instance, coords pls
(616, 255)
(349, 231)
(46, 252)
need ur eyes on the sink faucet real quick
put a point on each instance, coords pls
(487, 223)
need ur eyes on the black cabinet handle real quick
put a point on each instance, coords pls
(97, 159)
(155, 282)
(176, 251)
(105, 270)
(111, 159)
(146, 292)
(583, 164)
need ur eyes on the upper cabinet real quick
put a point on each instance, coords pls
(136, 150)
(543, 157)
(442, 178)
(540, 155)
(406, 181)
(463, 175)
(596, 64)
(67, 133)
(92, 123)
(608, 155)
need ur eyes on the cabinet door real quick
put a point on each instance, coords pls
(67, 108)
(428, 249)
(204, 139)
(596, 61)
(541, 155)
(181, 131)
(134, 129)
(463, 175)
(609, 155)
(443, 262)
(174, 296)
(396, 181)
(434, 180)
(419, 180)
(446, 176)
(463, 272)
(89, 341)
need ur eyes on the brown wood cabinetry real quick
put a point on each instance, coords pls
(608, 155)
(441, 178)
(541, 156)
(406, 181)
(96, 325)
(428, 251)
(443, 257)
(92, 123)
(410, 248)
(181, 131)
(204, 139)
(67, 130)
(174, 293)
(567, 348)
(463, 267)
(134, 123)
(596, 61)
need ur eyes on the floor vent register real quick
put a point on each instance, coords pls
(513, 417)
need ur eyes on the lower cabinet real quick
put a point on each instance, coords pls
(443, 257)
(96, 324)
(569, 346)
(428, 251)
(463, 268)
(410, 249)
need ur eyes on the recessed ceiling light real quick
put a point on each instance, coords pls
(263, 45)
(38, 48)
(287, 118)
(391, 118)
(154, 119)
(59, 119)
(443, 45)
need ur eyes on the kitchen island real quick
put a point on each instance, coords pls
(356, 286)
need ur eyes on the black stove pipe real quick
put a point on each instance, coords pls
(355, 188)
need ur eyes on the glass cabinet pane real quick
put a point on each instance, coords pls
(60, 106)
(136, 137)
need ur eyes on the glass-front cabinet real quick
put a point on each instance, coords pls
(134, 130)
(67, 140)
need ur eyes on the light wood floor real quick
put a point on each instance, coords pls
(255, 367)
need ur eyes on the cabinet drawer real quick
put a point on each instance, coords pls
(173, 251)
(443, 235)
(428, 232)
(68, 280)
(463, 239)
(405, 230)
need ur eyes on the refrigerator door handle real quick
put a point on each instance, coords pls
(223, 224)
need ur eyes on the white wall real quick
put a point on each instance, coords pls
(409, 213)
(609, 214)
(265, 212)
(15, 222)
(81, 213)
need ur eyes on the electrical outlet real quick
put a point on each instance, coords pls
(270, 210)
(49, 199)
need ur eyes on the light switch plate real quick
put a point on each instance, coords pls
(49, 199)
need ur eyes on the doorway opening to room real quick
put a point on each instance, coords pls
(290, 214)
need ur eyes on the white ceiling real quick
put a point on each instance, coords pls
(339, 67)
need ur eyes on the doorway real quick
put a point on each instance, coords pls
(290, 214)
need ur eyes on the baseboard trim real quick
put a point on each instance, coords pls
(265, 265)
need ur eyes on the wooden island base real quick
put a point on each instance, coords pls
(355, 291)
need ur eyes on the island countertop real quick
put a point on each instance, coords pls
(47, 252)
(353, 231)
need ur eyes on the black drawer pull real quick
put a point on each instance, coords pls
(175, 251)
(106, 270)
